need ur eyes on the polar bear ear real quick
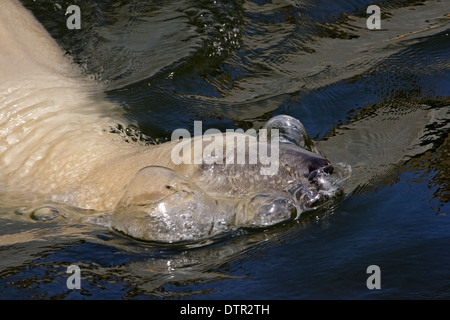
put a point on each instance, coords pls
(163, 206)
(291, 131)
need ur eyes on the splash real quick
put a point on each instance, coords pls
(162, 205)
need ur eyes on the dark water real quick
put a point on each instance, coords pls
(377, 99)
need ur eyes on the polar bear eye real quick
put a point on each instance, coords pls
(290, 131)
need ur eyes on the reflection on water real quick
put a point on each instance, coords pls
(378, 100)
(43, 254)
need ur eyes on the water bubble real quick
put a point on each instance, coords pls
(291, 131)
(45, 213)
(266, 209)
(164, 206)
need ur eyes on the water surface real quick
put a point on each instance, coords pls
(377, 99)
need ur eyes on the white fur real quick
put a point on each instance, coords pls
(54, 129)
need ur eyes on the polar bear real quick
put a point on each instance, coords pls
(56, 144)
